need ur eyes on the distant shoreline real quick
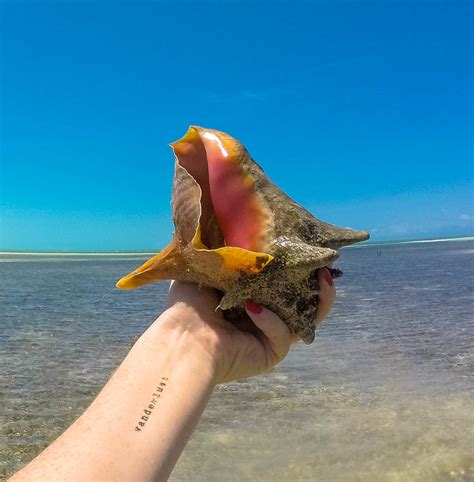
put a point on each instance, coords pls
(411, 241)
(149, 253)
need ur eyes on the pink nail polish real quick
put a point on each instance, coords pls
(328, 277)
(253, 307)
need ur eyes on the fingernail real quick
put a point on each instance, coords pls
(328, 277)
(253, 307)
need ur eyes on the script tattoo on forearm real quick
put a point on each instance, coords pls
(148, 410)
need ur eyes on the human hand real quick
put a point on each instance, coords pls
(242, 349)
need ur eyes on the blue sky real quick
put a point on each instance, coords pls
(361, 111)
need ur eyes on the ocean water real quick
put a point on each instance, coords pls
(385, 393)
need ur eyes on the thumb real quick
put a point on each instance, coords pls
(277, 334)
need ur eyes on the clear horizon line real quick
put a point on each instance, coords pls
(116, 252)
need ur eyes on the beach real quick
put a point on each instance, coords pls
(383, 394)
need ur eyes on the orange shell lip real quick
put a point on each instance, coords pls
(213, 159)
(194, 134)
(193, 139)
(221, 208)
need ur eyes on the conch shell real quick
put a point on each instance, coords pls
(238, 232)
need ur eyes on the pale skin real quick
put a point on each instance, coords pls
(167, 378)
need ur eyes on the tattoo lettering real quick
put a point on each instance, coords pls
(148, 410)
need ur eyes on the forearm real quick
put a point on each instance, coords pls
(139, 423)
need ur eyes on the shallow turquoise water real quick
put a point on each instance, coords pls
(383, 394)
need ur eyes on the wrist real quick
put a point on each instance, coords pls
(192, 347)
